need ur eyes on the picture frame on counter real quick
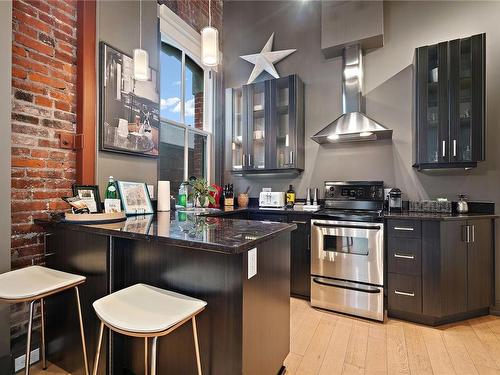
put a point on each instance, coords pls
(129, 120)
(135, 198)
(89, 194)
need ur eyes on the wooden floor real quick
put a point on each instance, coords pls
(324, 343)
(328, 344)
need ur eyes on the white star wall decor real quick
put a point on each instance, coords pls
(266, 59)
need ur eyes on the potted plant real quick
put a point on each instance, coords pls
(200, 192)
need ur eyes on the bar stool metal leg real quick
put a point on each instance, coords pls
(28, 340)
(146, 359)
(153, 355)
(42, 319)
(98, 349)
(196, 346)
(82, 332)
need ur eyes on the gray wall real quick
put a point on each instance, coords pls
(118, 25)
(5, 109)
(388, 88)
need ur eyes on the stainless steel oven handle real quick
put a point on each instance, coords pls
(404, 293)
(338, 285)
(396, 255)
(299, 222)
(408, 229)
(348, 226)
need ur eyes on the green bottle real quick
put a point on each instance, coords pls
(182, 197)
(111, 191)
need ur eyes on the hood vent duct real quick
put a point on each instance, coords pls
(353, 125)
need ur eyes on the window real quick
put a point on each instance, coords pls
(183, 134)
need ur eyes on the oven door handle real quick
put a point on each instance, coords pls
(350, 226)
(368, 289)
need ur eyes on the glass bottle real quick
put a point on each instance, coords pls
(111, 190)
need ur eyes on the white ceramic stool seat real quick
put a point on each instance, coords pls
(145, 311)
(33, 284)
(35, 281)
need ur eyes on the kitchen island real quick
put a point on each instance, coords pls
(245, 328)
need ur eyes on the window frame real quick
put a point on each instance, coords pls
(177, 33)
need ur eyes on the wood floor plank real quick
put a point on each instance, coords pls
(376, 352)
(333, 361)
(397, 356)
(440, 359)
(303, 336)
(292, 363)
(355, 358)
(460, 359)
(418, 358)
(315, 353)
(488, 338)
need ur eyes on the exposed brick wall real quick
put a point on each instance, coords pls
(43, 106)
(195, 12)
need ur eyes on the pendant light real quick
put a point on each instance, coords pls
(209, 42)
(141, 57)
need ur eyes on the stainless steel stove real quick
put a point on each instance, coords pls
(347, 249)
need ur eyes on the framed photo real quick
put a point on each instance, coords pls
(135, 198)
(129, 109)
(90, 195)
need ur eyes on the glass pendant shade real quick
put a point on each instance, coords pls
(141, 65)
(209, 46)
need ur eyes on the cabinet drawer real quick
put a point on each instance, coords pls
(404, 228)
(404, 256)
(404, 293)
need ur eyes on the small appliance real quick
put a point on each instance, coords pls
(462, 206)
(395, 200)
(274, 199)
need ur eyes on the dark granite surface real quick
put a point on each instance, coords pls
(188, 230)
(406, 215)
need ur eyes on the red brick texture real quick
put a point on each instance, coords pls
(43, 106)
(195, 12)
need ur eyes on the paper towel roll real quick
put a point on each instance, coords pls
(163, 196)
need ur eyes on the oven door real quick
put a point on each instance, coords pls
(345, 250)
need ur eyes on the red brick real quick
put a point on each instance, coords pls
(14, 172)
(46, 60)
(58, 205)
(22, 194)
(65, 37)
(53, 194)
(47, 19)
(20, 151)
(26, 30)
(61, 16)
(29, 86)
(30, 21)
(20, 217)
(54, 143)
(22, 206)
(35, 131)
(30, 65)
(18, 72)
(42, 100)
(19, 51)
(34, 44)
(61, 96)
(62, 6)
(24, 8)
(44, 173)
(26, 183)
(30, 163)
(40, 154)
(63, 106)
(40, 5)
(65, 57)
(52, 82)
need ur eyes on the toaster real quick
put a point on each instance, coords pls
(272, 199)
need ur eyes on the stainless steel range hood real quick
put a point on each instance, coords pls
(353, 125)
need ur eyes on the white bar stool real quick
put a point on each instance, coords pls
(145, 311)
(35, 283)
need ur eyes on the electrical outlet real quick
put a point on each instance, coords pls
(19, 361)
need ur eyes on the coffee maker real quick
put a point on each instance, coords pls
(395, 203)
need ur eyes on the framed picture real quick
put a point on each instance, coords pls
(90, 195)
(135, 198)
(129, 109)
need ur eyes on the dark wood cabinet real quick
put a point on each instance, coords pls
(450, 101)
(444, 275)
(300, 257)
(265, 126)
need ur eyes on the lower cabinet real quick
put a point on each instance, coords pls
(300, 247)
(441, 273)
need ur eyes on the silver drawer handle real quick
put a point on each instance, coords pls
(404, 293)
(298, 222)
(404, 256)
(404, 228)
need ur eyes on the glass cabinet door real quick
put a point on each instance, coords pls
(238, 127)
(433, 104)
(257, 110)
(462, 147)
(283, 127)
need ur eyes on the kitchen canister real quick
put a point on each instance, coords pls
(163, 196)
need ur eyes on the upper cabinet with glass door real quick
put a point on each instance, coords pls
(265, 126)
(450, 104)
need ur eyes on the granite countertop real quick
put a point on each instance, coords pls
(406, 215)
(191, 230)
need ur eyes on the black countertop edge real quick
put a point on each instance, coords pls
(437, 216)
(265, 210)
(101, 229)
